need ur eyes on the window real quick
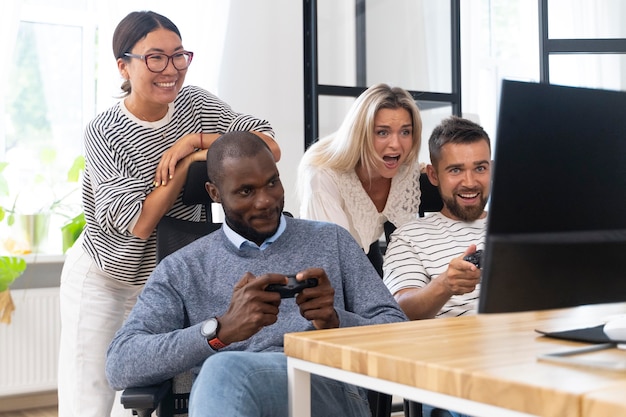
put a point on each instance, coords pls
(583, 43)
(49, 94)
(59, 72)
(499, 39)
(352, 45)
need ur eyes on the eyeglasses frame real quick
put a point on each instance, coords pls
(169, 58)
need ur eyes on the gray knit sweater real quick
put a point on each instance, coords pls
(197, 282)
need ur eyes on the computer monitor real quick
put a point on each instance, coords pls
(556, 230)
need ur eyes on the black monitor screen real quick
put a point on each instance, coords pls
(556, 231)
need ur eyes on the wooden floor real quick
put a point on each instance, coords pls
(41, 404)
(35, 412)
(52, 412)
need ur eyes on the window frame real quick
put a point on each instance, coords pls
(550, 46)
(313, 90)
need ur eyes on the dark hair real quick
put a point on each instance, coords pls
(454, 129)
(134, 27)
(239, 144)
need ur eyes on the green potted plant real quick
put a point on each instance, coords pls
(73, 227)
(4, 191)
(11, 267)
(34, 222)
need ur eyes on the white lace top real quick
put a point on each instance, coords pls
(340, 198)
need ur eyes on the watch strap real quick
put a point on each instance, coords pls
(216, 343)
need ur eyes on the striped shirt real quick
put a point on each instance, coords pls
(422, 249)
(121, 155)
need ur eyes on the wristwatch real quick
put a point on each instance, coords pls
(209, 332)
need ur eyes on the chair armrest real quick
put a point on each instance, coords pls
(145, 398)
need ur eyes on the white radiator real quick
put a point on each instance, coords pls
(29, 346)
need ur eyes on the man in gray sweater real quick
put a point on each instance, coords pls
(207, 305)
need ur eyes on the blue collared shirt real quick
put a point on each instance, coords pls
(240, 242)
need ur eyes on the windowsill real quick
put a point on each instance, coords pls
(38, 258)
(42, 258)
(42, 271)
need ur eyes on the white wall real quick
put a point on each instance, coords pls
(248, 52)
(261, 66)
(261, 72)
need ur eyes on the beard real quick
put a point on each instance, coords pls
(244, 228)
(249, 232)
(464, 213)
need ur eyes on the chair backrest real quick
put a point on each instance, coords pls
(194, 191)
(430, 201)
(430, 198)
(172, 233)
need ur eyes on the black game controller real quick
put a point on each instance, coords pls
(475, 258)
(292, 287)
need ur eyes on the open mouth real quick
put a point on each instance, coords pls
(391, 161)
(468, 196)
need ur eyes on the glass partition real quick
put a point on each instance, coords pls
(586, 19)
(352, 45)
(401, 42)
(603, 71)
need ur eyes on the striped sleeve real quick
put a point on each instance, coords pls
(403, 266)
(421, 250)
(121, 159)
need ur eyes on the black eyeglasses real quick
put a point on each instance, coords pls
(158, 62)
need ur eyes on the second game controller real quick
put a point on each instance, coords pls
(475, 258)
(292, 287)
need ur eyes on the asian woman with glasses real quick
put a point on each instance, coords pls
(137, 154)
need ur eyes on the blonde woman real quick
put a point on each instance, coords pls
(366, 173)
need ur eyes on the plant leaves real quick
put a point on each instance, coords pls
(77, 167)
(11, 267)
(4, 185)
(47, 156)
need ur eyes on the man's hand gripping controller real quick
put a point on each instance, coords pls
(292, 287)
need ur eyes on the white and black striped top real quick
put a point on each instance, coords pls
(422, 249)
(122, 154)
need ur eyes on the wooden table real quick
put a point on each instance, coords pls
(483, 365)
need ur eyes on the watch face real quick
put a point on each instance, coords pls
(209, 328)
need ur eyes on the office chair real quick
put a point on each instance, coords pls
(171, 397)
(382, 404)
(430, 201)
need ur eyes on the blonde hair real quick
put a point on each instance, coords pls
(353, 142)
